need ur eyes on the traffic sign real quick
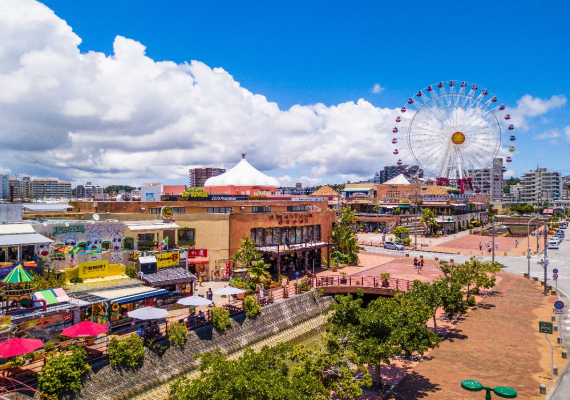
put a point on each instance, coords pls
(555, 276)
(555, 271)
(558, 311)
(545, 327)
(558, 305)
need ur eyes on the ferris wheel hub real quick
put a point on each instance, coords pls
(458, 138)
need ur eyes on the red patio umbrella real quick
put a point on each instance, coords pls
(84, 328)
(17, 347)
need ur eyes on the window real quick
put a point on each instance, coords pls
(296, 208)
(217, 210)
(265, 209)
(178, 210)
(146, 237)
(154, 210)
(187, 236)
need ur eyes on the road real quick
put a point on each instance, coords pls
(519, 265)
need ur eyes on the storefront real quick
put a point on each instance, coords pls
(177, 281)
(19, 242)
(198, 260)
(112, 306)
(147, 235)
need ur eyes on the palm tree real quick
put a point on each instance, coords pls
(258, 271)
(428, 217)
(247, 253)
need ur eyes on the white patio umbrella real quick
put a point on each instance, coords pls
(228, 291)
(147, 313)
(194, 301)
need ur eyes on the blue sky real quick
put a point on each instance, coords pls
(333, 52)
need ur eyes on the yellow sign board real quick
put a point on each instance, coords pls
(7, 320)
(168, 259)
(94, 269)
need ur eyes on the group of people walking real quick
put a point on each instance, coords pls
(418, 264)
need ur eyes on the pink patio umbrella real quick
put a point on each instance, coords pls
(84, 328)
(17, 347)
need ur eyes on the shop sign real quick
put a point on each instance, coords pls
(168, 259)
(45, 328)
(93, 269)
(57, 230)
(198, 252)
(7, 320)
(195, 192)
(166, 212)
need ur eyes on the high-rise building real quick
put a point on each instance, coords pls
(4, 188)
(489, 181)
(26, 187)
(64, 190)
(540, 185)
(88, 191)
(198, 176)
(16, 185)
(392, 171)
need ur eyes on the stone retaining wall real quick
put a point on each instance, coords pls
(109, 383)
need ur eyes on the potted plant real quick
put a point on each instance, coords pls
(343, 279)
(16, 362)
(385, 279)
(49, 348)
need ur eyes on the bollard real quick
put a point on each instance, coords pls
(451, 261)
(559, 340)
(535, 278)
(553, 318)
(564, 354)
(555, 370)
(542, 389)
(525, 274)
(437, 258)
(555, 328)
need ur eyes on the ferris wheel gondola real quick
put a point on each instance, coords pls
(451, 128)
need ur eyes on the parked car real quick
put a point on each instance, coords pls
(393, 245)
(553, 244)
(555, 238)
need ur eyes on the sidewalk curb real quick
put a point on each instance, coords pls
(561, 375)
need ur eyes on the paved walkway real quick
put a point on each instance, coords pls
(497, 344)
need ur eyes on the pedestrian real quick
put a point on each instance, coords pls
(297, 275)
(480, 246)
(487, 244)
(489, 250)
(421, 263)
(415, 262)
(516, 243)
(140, 332)
(496, 246)
(420, 267)
(200, 279)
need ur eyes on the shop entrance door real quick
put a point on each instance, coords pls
(171, 235)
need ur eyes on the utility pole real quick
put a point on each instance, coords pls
(416, 219)
(545, 265)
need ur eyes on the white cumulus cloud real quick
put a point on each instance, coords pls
(377, 88)
(529, 107)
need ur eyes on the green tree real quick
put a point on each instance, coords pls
(48, 280)
(439, 294)
(399, 231)
(247, 253)
(429, 218)
(262, 375)
(116, 188)
(258, 271)
(62, 373)
(221, 318)
(177, 334)
(386, 327)
(474, 273)
(396, 211)
(128, 352)
(344, 238)
(251, 306)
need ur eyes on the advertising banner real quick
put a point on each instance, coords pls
(168, 259)
(198, 253)
(45, 328)
(93, 269)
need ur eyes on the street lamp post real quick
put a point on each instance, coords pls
(501, 391)
(528, 239)
(493, 242)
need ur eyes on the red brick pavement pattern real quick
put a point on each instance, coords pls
(496, 344)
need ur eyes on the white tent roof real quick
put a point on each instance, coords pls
(243, 174)
(11, 229)
(398, 180)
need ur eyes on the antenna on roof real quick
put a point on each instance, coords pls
(243, 155)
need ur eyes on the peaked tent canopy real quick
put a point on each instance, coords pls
(18, 275)
(243, 174)
(398, 180)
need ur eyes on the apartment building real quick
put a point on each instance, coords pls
(198, 176)
(489, 181)
(391, 171)
(540, 185)
(88, 191)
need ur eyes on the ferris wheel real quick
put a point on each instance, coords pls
(451, 129)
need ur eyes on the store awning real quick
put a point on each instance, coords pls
(142, 296)
(198, 260)
(149, 227)
(17, 240)
(45, 207)
(147, 259)
(112, 294)
(9, 229)
(51, 296)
